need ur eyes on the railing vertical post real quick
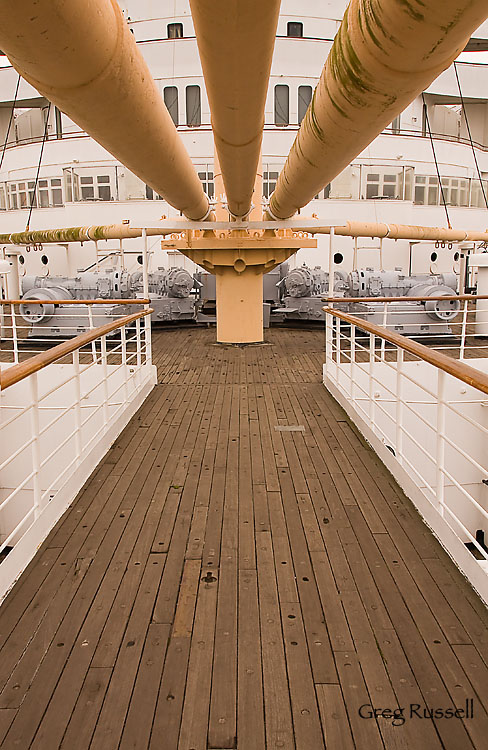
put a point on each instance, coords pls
(94, 343)
(329, 322)
(138, 341)
(123, 338)
(337, 336)
(372, 344)
(330, 289)
(383, 341)
(399, 406)
(147, 319)
(103, 344)
(353, 358)
(440, 432)
(36, 454)
(14, 334)
(76, 365)
(463, 329)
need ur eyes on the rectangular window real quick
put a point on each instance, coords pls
(87, 189)
(269, 182)
(71, 185)
(103, 185)
(281, 105)
(3, 204)
(175, 31)
(395, 125)
(383, 184)
(207, 179)
(304, 99)
(294, 28)
(193, 107)
(170, 95)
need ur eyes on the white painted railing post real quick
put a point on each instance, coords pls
(353, 359)
(337, 346)
(14, 334)
(383, 341)
(123, 338)
(440, 444)
(105, 381)
(329, 322)
(463, 329)
(36, 453)
(76, 365)
(147, 319)
(399, 407)
(94, 343)
(372, 344)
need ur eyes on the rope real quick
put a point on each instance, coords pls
(33, 196)
(10, 121)
(469, 133)
(436, 164)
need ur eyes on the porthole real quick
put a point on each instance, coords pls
(21, 260)
(338, 258)
(44, 260)
(433, 257)
(140, 260)
(456, 256)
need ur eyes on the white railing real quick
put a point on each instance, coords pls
(426, 415)
(60, 411)
(456, 325)
(26, 326)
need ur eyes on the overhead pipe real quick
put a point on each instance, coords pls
(82, 56)
(401, 232)
(385, 53)
(80, 234)
(236, 42)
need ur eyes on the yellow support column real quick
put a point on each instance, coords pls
(239, 305)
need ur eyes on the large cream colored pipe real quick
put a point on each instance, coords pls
(403, 232)
(236, 41)
(81, 55)
(79, 234)
(385, 53)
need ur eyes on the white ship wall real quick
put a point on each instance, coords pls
(297, 61)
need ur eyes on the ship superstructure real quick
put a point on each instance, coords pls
(392, 180)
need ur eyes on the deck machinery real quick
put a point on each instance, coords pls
(288, 295)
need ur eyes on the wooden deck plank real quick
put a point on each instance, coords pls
(329, 591)
(250, 701)
(278, 717)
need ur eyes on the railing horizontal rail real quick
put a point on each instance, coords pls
(444, 298)
(460, 370)
(18, 372)
(129, 301)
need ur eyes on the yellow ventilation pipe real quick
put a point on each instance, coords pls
(385, 53)
(236, 40)
(82, 56)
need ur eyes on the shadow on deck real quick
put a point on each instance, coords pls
(241, 571)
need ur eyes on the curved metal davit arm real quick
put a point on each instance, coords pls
(236, 40)
(385, 53)
(82, 56)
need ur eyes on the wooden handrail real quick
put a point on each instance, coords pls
(130, 301)
(16, 373)
(444, 298)
(454, 367)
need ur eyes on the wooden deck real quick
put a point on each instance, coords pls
(241, 572)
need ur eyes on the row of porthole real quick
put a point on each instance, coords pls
(338, 258)
(44, 260)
